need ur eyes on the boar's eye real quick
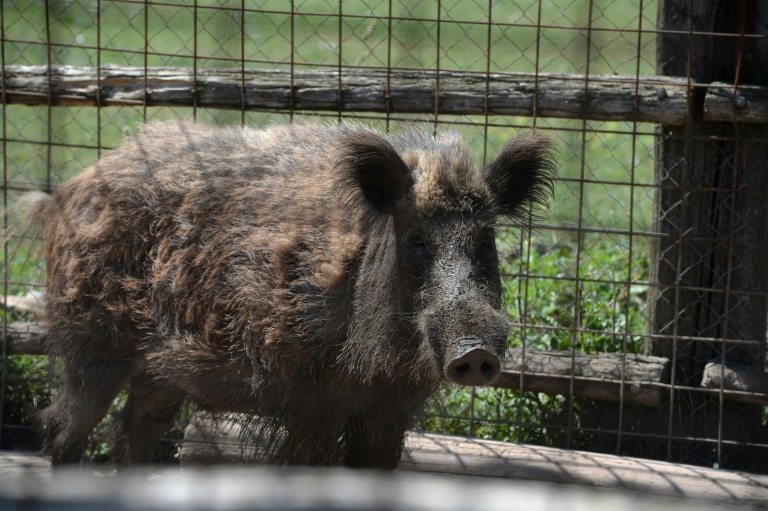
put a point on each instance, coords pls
(420, 247)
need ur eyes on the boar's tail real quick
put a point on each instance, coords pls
(27, 212)
(32, 204)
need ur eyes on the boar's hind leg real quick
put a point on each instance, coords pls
(84, 397)
(375, 441)
(151, 410)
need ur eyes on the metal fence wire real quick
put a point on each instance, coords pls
(639, 306)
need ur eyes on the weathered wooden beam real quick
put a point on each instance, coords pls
(658, 99)
(208, 441)
(468, 456)
(444, 454)
(740, 384)
(25, 338)
(609, 366)
(747, 103)
(307, 489)
(596, 376)
(24, 466)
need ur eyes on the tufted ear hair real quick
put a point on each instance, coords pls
(521, 178)
(372, 174)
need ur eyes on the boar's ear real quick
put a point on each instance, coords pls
(371, 172)
(523, 174)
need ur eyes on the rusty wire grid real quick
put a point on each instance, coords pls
(655, 243)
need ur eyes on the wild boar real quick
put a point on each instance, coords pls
(326, 277)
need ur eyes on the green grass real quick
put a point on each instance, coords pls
(610, 310)
(593, 284)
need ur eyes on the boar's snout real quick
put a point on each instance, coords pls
(477, 366)
(472, 364)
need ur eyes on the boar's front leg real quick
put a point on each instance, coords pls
(309, 440)
(375, 441)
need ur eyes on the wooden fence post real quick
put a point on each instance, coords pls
(711, 207)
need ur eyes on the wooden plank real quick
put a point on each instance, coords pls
(25, 338)
(610, 366)
(739, 384)
(466, 456)
(444, 454)
(660, 99)
(657, 99)
(596, 376)
(636, 393)
(209, 442)
(747, 103)
(22, 465)
(249, 488)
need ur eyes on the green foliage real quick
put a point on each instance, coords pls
(489, 413)
(98, 449)
(26, 388)
(598, 312)
(24, 265)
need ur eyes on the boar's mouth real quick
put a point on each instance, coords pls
(472, 363)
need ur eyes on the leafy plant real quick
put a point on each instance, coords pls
(603, 310)
(26, 388)
(26, 393)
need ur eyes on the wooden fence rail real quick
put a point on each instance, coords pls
(657, 99)
(598, 376)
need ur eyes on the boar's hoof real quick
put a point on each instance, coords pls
(477, 366)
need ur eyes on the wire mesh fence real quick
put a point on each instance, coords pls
(654, 247)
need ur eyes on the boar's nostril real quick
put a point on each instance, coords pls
(477, 366)
(463, 369)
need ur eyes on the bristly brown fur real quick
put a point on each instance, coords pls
(314, 275)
